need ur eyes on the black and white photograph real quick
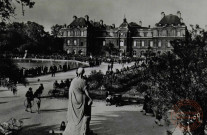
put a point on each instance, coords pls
(103, 67)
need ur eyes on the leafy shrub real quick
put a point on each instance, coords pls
(95, 79)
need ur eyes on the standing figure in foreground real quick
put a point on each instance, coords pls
(79, 107)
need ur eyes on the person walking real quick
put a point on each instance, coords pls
(38, 101)
(14, 89)
(147, 100)
(39, 91)
(30, 97)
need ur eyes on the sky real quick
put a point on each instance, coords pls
(51, 12)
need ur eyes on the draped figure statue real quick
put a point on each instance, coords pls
(79, 105)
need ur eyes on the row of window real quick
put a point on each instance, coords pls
(162, 33)
(74, 33)
(74, 42)
(144, 43)
(169, 33)
(151, 43)
(150, 34)
(145, 34)
(111, 34)
(74, 51)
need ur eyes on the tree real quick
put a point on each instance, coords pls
(8, 69)
(182, 74)
(55, 29)
(110, 49)
(26, 36)
(7, 9)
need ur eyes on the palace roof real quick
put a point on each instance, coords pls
(81, 22)
(170, 20)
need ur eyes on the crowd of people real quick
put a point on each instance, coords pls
(62, 84)
(43, 70)
(126, 77)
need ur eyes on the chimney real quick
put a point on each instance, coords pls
(149, 26)
(74, 17)
(140, 23)
(162, 14)
(113, 25)
(101, 22)
(179, 14)
(87, 18)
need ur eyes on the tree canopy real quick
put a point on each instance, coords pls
(55, 29)
(8, 8)
(18, 37)
(181, 74)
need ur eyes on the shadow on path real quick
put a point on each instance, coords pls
(10, 97)
(3, 90)
(3, 102)
(36, 129)
(125, 123)
(53, 110)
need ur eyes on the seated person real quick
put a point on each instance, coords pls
(56, 85)
(67, 83)
(62, 84)
(109, 100)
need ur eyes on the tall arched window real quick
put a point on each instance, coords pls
(155, 33)
(151, 43)
(173, 33)
(168, 44)
(68, 33)
(178, 33)
(77, 33)
(71, 33)
(65, 34)
(135, 43)
(164, 33)
(159, 44)
(75, 42)
(82, 33)
(143, 43)
(68, 42)
(85, 33)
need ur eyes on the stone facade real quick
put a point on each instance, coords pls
(87, 37)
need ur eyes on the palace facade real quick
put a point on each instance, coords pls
(86, 37)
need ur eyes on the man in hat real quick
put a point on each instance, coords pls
(79, 107)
